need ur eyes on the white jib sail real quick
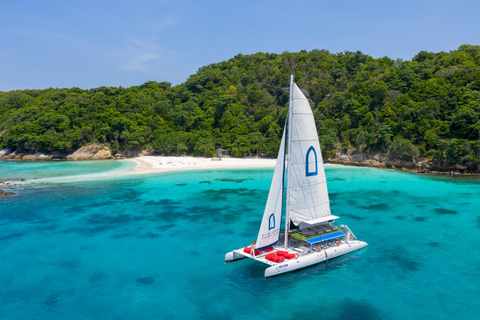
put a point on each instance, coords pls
(308, 195)
(272, 216)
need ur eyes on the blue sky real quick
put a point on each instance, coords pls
(88, 44)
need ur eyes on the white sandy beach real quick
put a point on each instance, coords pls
(154, 164)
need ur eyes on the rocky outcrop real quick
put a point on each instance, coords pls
(37, 156)
(8, 154)
(385, 160)
(378, 160)
(6, 193)
(92, 152)
(132, 153)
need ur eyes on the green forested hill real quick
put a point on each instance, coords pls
(428, 107)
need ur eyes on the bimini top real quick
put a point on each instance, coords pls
(326, 237)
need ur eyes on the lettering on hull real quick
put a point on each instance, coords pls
(281, 268)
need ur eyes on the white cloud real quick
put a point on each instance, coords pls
(138, 61)
(143, 55)
(165, 23)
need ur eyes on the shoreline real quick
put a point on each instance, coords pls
(146, 165)
(157, 164)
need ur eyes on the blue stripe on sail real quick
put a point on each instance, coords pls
(267, 246)
(312, 173)
(271, 222)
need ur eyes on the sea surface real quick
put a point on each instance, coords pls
(81, 241)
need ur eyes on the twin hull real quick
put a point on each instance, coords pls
(303, 261)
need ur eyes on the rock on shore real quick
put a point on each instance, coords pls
(92, 152)
(385, 160)
(6, 193)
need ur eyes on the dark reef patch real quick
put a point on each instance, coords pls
(335, 179)
(123, 235)
(445, 211)
(399, 257)
(345, 309)
(378, 206)
(70, 264)
(50, 227)
(127, 195)
(12, 236)
(208, 182)
(144, 281)
(165, 227)
(97, 277)
(110, 220)
(351, 309)
(352, 216)
(52, 300)
(420, 219)
(232, 180)
(333, 195)
(253, 224)
(181, 184)
(224, 194)
(434, 244)
(150, 235)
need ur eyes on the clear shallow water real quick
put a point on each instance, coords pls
(16, 170)
(152, 247)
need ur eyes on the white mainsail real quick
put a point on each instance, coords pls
(272, 216)
(308, 195)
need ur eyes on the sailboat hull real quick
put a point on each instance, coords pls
(311, 259)
(233, 256)
(300, 172)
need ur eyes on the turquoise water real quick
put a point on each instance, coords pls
(15, 170)
(152, 247)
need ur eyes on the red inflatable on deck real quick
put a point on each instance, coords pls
(274, 258)
(286, 255)
(249, 250)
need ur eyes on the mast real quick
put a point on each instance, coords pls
(287, 219)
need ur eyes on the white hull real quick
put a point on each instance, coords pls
(233, 256)
(303, 261)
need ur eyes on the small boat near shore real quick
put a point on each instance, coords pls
(298, 196)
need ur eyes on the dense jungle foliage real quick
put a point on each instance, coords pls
(428, 107)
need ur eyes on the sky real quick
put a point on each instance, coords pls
(88, 44)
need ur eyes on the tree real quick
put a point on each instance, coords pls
(404, 149)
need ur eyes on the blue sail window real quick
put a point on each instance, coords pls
(311, 173)
(271, 222)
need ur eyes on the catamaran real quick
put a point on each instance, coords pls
(309, 236)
